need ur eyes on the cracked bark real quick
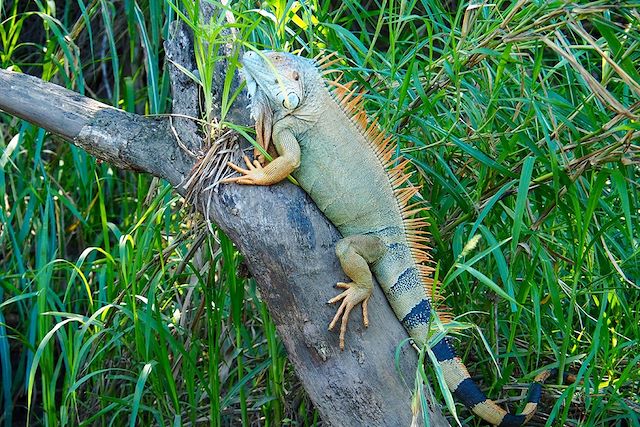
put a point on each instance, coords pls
(287, 242)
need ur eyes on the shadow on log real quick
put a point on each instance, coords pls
(287, 242)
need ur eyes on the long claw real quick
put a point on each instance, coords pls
(230, 180)
(343, 327)
(337, 316)
(237, 168)
(248, 162)
(365, 313)
(337, 298)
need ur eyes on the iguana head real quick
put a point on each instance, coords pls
(279, 84)
(284, 78)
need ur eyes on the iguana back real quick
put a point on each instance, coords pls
(345, 164)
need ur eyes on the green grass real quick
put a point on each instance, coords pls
(521, 119)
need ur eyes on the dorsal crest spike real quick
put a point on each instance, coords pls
(323, 56)
(335, 82)
(323, 61)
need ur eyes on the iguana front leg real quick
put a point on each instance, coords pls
(288, 160)
(355, 254)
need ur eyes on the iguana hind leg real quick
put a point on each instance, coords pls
(355, 254)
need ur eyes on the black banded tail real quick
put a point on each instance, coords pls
(467, 391)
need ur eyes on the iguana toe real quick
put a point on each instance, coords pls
(257, 154)
(351, 297)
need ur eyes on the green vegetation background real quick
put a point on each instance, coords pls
(521, 119)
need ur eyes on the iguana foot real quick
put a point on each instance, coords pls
(254, 174)
(351, 297)
(355, 253)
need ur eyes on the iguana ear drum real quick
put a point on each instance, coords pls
(291, 101)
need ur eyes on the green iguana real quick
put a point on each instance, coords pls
(324, 140)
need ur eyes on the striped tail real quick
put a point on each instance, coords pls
(404, 287)
(467, 391)
(408, 290)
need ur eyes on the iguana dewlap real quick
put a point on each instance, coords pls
(345, 164)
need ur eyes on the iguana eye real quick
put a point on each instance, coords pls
(296, 76)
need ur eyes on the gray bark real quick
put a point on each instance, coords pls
(287, 242)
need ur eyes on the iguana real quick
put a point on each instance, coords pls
(323, 138)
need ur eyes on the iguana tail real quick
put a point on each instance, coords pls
(408, 292)
(467, 391)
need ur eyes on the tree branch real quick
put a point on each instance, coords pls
(287, 242)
